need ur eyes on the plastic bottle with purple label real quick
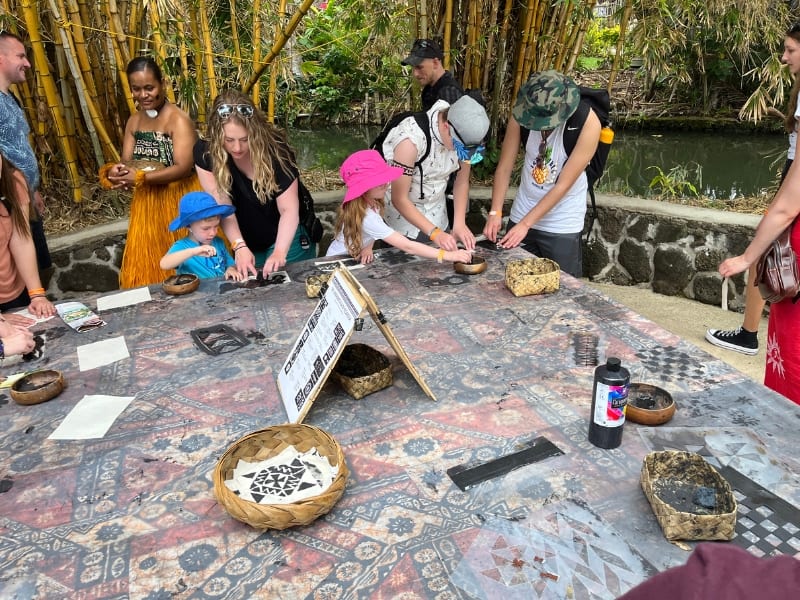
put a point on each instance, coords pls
(609, 400)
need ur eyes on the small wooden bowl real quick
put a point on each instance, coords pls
(649, 405)
(478, 265)
(177, 285)
(37, 387)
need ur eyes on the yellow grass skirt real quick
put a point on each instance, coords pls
(149, 237)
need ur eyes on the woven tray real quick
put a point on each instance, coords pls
(532, 276)
(672, 475)
(314, 284)
(268, 442)
(362, 370)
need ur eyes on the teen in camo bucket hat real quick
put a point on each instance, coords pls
(546, 100)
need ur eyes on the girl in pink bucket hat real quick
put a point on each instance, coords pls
(359, 220)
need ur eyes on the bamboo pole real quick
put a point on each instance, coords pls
(31, 19)
(237, 50)
(623, 29)
(208, 57)
(258, 26)
(448, 31)
(273, 76)
(489, 62)
(583, 25)
(500, 70)
(159, 48)
(280, 41)
(525, 44)
(198, 64)
(86, 104)
(134, 29)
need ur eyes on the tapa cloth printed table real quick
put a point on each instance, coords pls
(133, 514)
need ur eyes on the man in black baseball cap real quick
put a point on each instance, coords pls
(426, 58)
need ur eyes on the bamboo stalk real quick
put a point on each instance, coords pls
(448, 31)
(525, 44)
(489, 62)
(273, 76)
(623, 28)
(237, 50)
(86, 104)
(279, 42)
(44, 75)
(207, 54)
(198, 64)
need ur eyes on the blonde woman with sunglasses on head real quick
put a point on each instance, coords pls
(246, 161)
(156, 164)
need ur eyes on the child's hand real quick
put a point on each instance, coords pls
(366, 256)
(464, 256)
(232, 273)
(205, 250)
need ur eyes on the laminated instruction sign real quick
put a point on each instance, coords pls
(322, 340)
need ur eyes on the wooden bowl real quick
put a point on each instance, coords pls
(477, 265)
(649, 405)
(37, 387)
(177, 285)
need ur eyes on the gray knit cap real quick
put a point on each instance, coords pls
(469, 119)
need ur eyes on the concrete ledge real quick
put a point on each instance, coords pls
(671, 248)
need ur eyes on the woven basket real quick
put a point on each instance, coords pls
(660, 470)
(532, 276)
(362, 370)
(314, 284)
(261, 445)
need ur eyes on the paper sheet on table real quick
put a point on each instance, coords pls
(126, 298)
(27, 314)
(105, 352)
(91, 417)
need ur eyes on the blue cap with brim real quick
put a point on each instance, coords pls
(196, 206)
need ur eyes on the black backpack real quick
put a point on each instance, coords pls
(424, 123)
(308, 218)
(600, 102)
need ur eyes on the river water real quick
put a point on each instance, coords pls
(730, 164)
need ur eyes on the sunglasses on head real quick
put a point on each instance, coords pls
(472, 154)
(226, 110)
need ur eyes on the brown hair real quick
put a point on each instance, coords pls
(790, 123)
(10, 182)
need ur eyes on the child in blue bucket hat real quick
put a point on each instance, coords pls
(202, 252)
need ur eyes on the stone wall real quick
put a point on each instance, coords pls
(670, 248)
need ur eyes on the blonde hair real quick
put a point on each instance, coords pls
(350, 220)
(267, 143)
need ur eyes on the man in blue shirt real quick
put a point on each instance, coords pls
(14, 143)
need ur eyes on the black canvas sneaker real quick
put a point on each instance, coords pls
(738, 340)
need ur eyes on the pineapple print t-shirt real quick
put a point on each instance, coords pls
(568, 214)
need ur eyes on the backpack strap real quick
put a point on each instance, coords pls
(424, 124)
(572, 132)
(575, 123)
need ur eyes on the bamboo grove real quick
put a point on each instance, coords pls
(77, 98)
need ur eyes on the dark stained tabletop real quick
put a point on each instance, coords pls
(133, 514)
